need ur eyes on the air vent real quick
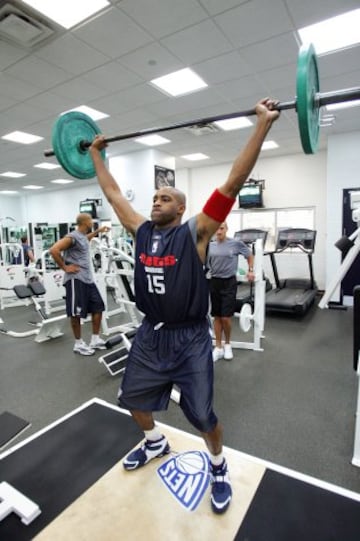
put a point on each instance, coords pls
(203, 129)
(21, 28)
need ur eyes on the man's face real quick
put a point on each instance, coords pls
(166, 208)
(88, 224)
(221, 232)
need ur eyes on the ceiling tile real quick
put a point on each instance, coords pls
(223, 68)
(151, 61)
(214, 6)
(197, 43)
(245, 86)
(279, 51)
(340, 62)
(254, 21)
(51, 103)
(121, 34)
(10, 54)
(6, 102)
(80, 91)
(16, 89)
(32, 69)
(72, 55)
(309, 12)
(161, 17)
(112, 76)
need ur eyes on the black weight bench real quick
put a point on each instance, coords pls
(47, 327)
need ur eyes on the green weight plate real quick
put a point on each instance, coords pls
(307, 86)
(68, 131)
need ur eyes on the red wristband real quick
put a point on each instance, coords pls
(218, 206)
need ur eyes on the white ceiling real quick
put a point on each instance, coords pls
(243, 49)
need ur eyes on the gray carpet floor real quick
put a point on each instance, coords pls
(292, 404)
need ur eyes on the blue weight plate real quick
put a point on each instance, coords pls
(307, 86)
(69, 130)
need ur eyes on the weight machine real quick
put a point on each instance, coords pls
(351, 245)
(52, 280)
(253, 315)
(10, 274)
(114, 272)
(47, 328)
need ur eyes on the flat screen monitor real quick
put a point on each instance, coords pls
(250, 196)
(89, 207)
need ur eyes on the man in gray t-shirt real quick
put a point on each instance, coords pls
(222, 262)
(72, 254)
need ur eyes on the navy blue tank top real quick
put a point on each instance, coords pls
(170, 283)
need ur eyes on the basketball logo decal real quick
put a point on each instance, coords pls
(187, 477)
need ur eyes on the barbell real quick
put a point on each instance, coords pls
(74, 131)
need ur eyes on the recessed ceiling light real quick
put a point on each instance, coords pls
(234, 123)
(195, 157)
(22, 137)
(32, 187)
(152, 140)
(12, 174)
(92, 113)
(62, 181)
(334, 33)
(343, 105)
(269, 145)
(67, 13)
(179, 82)
(47, 165)
(8, 192)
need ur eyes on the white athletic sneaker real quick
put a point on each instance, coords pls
(83, 349)
(228, 354)
(98, 344)
(218, 353)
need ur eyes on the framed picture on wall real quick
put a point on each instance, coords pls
(164, 177)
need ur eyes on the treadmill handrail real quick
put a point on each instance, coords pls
(292, 244)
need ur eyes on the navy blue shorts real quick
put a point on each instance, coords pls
(159, 359)
(82, 299)
(223, 296)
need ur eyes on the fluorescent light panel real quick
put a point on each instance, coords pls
(195, 157)
(22, 137)
(47, 165)
(152, 140)
(334, 33)
(32, 187)
(8, 192)
(61, 181)
(12, 174)
(234, 123)
(67, 13)
(92, 113)
(269, 145)
(179, 82)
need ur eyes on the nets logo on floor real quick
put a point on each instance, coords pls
(187, 477)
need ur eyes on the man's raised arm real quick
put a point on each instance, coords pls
(221, 201)
(129, 218)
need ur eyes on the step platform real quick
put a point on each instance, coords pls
(89, 495)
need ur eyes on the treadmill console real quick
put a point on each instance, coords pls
(250, 236)
(296, 238)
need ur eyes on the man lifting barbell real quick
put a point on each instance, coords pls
(173, 345)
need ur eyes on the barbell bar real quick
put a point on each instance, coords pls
(73, 132)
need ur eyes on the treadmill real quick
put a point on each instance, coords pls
(244, 292)
(292, 295)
